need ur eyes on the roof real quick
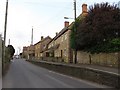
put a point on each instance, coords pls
(61, 32)
(53, 48)
(68, 28)
(37, 43)
(48, 37)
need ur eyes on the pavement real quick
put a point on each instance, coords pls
(23, 74)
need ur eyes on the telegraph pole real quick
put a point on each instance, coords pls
(9, 42)
(32, 37)
(75, 58)
(5, 27)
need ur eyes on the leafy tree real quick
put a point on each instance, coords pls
(100, 27)
(21, 54)
(73, 32)
(10, 50)
(73, 41)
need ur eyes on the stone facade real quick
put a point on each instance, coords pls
(25, 52)
(64, 46)
(41, 47)
(51, 48)
(59, 46)
(31, 52)
(37, 50)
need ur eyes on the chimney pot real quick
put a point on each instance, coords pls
(66, 24)
(41, 37)
(84, 8)
(56, 33)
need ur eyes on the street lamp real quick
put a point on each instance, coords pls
(68, 18)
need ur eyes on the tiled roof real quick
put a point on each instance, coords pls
(61, 32)
(54, 47)
(43, 39)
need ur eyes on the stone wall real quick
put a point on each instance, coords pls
(106, 59)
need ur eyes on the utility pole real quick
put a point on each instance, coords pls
(5, 27)
(9, 42)
(75, 58)
(32, 37)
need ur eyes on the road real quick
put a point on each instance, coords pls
(23, 74)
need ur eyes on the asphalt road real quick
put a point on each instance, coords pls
(23, 74)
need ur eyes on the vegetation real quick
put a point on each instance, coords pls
(99, 30)
(9, 52)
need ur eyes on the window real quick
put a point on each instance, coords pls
(44, 46)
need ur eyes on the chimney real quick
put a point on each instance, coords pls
(56, 33)
(66, 24)
(84, 8)
(41, 37)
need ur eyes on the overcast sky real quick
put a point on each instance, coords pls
(46, 17)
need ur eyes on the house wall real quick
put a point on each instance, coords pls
(43, 47)
(63, 50)
(37, 51)
(31, 52)
(51, 45)
(25, 52)
(40, 47)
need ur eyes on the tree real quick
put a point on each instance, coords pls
(10, 50)
(73, 40)
(99, 28)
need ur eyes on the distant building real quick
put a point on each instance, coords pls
(25, 52)
(0, 55)
(119, 4)
(28, 52)
(41, 46)
(31, 52)
(0, 46)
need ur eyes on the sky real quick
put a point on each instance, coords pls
(45, 16)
